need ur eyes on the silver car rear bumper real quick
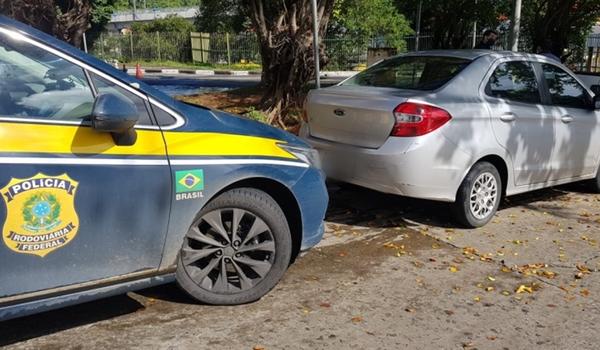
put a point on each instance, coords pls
(420, 167)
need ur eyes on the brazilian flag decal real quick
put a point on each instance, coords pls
(189, 181)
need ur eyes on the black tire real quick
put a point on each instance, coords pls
(595, 183)
(463, 213)
(252, 202)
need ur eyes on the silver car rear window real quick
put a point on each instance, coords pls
(411, 72)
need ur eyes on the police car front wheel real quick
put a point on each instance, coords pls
(237, 249)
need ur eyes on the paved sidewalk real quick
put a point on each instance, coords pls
(391, 273)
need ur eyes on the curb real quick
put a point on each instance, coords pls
(208, 72)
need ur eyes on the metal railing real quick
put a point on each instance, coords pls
(169, 46)
(343, 52)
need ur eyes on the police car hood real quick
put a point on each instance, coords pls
(210, 120)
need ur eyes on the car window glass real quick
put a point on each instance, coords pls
(411, 72)
(104, 86)
(514, 81)
(564, 89)
(37, 84)
(163, 118)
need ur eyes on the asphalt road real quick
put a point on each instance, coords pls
(391, 273)
(202, 81)
(188, 84)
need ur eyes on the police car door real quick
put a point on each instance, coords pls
(75, 208)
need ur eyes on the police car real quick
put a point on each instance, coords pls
(108, 186)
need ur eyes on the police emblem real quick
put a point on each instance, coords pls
(40, 214)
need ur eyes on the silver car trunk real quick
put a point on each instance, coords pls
(354, 115)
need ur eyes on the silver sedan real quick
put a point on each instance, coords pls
(458, 126)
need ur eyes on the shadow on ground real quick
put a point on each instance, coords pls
(353, 205)
(38, 325)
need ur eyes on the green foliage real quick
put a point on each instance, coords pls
(221, 16)
(101, 12)
(140, 4)
(564, 24)
(257, 115)
(367, 19)
(450, 22)
(164, 46)
(169, 24)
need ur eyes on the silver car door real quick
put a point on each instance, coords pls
(577, 131)
(521, 124)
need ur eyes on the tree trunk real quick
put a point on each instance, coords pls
(73, 20)
(284, 31)
(65, 19)
(40, 14)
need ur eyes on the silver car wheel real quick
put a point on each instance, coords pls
(484, 195)
(228, 250)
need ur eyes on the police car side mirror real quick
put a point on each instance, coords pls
(116, 115)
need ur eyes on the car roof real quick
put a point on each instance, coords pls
(474, 54)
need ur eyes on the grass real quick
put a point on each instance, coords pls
(250, 66)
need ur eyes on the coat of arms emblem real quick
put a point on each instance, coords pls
(40, 213)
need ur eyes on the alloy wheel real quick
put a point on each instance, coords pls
(228, 250)
(484, 195)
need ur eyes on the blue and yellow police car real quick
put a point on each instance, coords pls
(108, 186)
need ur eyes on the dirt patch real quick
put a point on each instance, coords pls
(238, 101)
(361, 255)
(247, 103)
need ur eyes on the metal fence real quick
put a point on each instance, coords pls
(343, 52)
(172, 46)
(591, 58)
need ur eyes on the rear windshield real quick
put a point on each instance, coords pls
(411, 72)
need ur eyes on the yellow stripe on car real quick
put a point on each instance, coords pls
(62, 139)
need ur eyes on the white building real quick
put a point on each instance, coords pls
(123, 19)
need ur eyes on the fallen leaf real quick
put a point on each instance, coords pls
(584, 269)
(458, 260)
(505, 292)
(477, 299)
(325, 305)
(548, 274)
(491, 278)
(489, 289)
(584, 292)
(523, 289)
(258, 347)
(453, 268)
(469, 251)
(356, 319)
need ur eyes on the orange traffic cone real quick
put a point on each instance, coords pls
(139, 74)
